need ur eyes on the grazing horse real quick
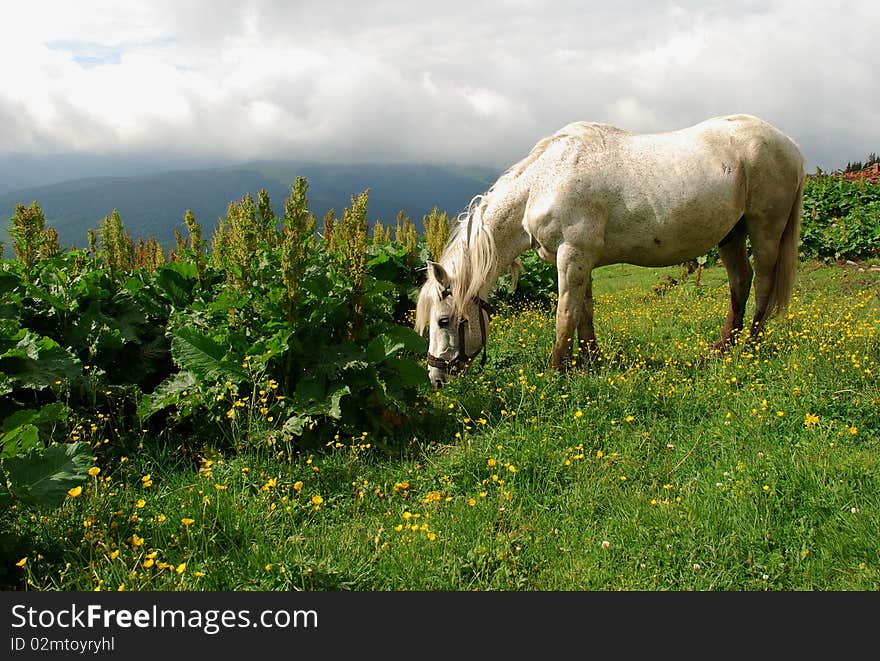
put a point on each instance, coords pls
(591, 195)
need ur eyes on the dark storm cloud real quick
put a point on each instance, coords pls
(466, 82)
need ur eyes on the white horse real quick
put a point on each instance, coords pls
(591, 195)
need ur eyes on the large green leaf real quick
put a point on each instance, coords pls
(381, 347)
(175, 286)
(130, 320)
(8, 282)
(37, 362)
(20, 431)
(42, 477)
(165, 394)
(411, 340)
(316, 397)
(17, 440)
(194, 351)
(411, 373)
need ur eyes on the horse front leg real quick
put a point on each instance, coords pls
(571, 310)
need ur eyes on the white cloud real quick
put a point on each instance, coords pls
(468, 82)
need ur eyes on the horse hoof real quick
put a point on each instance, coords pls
(561, 365)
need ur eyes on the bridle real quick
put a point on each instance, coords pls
(462, 359)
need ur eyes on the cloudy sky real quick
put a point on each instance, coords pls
(454, 81)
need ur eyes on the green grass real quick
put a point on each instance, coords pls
(660, 470)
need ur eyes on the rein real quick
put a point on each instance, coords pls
(462, 358)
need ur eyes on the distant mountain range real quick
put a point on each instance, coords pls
(152, 201)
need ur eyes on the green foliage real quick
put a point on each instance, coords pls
(41, 477)
(536, 282)
(437, 229)
(28, 228)
(285, 340)
(297, 241)
(202, 357)
(29, 428)
(661, 470)
(275, 338)
(35, 362)
(841, 219)
(49, 246)
(117, 246)
(196, 243)
(271, 340)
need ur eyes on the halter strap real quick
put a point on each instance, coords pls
(462, 357)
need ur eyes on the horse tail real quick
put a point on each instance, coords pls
(787, 262)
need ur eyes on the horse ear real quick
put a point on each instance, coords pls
(439, 274)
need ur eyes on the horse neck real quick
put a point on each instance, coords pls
(503, 218)
(488, 244)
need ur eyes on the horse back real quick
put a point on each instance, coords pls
(658, 199)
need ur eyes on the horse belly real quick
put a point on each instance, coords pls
(669, 225)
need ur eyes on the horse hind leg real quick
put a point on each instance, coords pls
(764, 282)
(765, 241)
(775, 256)
(735, 258)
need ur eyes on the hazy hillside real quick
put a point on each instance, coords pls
(18, 171)
(154, 204)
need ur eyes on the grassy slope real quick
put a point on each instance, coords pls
(659, 471)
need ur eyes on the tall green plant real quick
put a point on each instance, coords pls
(117, 247)
(354, 230)
(297, 242)
(28, 227)
(313, 345)
(196, 245)
(436, 232)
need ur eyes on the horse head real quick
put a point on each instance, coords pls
(457, 329)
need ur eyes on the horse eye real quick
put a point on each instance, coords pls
(443, 322)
